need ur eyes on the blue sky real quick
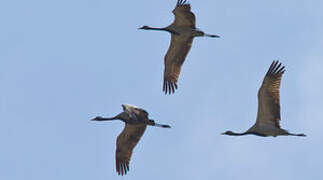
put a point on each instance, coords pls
(64, 62)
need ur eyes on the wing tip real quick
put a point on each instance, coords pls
(169, 87)
(182, 3)
(276, 68)
(122, 168)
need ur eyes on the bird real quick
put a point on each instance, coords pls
(183, 30)
(268, 116)
(136, 120)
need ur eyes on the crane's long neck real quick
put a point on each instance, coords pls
(157, 29)
(105, 118)
(230, 133)
(238, 134)
(162, 29)
(122, 116)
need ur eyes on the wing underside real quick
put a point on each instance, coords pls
(174, 59)
(179, 46)
(126, 142)
(269, 96)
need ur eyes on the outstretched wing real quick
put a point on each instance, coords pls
(174, 59)
(268, 96)
(126, 142)
(183, 14)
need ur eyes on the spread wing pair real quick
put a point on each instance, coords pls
(182, 30)
(268, 116)
(136, 120)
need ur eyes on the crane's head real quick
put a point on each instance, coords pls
(228, 133)
(98, 118)
(144, 27)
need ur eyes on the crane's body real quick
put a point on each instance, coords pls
(182, 30)
(268, 116)
(265, 130)
(136, 121)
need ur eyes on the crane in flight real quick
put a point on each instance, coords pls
(136, 120)
(182, 30)
(268, 116)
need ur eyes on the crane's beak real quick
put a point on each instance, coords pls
(98, 118)
(93, 119)
(212, 35)
(142, 27)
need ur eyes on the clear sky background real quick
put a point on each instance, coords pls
(65, 62)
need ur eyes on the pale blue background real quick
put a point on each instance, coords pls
(63, 62)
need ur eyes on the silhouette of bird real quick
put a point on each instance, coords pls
(182, 30)
(268, 116)
(136, 121)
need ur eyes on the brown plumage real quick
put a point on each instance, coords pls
(183, 14)
(126, 142)
(268, 116)
(182, 30)
(174, 60)
(269, 97)
(136, 121)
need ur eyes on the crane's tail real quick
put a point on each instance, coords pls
(152, 123)
(292, 134)
(211, 35)
(162, 125)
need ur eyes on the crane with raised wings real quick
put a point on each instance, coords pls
(136, 120)
(268, 116)
(182, 30)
